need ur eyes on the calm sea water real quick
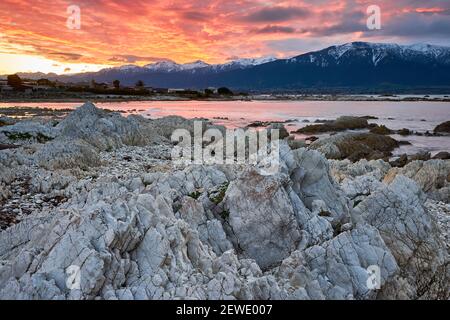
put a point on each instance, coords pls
(417, 116)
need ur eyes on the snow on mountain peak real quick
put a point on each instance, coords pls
(244, 63)
(166, 65)
(376, 52)
(422, 47)
(428, 49)
(379, 51)
(194, 65)
(171, 66)
(128, 67)
(254, 61)
(339, 51)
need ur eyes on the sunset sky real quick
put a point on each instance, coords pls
(34, 35)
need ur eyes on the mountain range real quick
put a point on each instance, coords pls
(352, 65)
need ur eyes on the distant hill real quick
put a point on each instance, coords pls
(351, 66)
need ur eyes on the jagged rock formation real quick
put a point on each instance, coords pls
(6, 121)
(443, 155)
(261, 219)
(105, 130)
(66, 154)
(382, 129)
(443, 128)
(409, 231)
(27, 130)
(340, 124)
(431, 176)
(137, 227)
(6, 177)
(356, 146)
(132, 245)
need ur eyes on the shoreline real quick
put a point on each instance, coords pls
(412, 140)
(300, 131)
(293, 98)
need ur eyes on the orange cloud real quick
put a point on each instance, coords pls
(115, 32)
(430, 10)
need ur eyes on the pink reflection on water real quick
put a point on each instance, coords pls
(418, 116)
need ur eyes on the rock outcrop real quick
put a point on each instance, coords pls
(114, 218)
(382, 129)
(261, 218)
(355, 146)
(443, 128)
(6, 121)
(340, 124)
(432, 176)
(28, 130)
(106, 130)
(282, 131)
(66, 154)
(411, 234)
(126, 244)
(443, 155)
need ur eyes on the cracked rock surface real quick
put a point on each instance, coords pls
(103, 198)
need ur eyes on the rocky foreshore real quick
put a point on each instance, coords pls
(98, 192)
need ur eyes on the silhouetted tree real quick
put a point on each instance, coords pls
(116, 84)
(209, 92)
(140, 84)
(224, 91)
(14, 81)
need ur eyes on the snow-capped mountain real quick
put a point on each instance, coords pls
(163, 66)
(194, 65)
(255, 61)
(128, 67)
(243, 63)
(168, 66)
(356, 64)
(374, 52)
(166, 73)
(349, 67)
(125, 68)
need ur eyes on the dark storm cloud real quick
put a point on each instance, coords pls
(348, 22)
(275, 29)
(133, 58)
(277, 14)
(66, 55)
(195, 16)
(416, 25)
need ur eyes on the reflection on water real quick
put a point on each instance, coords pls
(416, 116)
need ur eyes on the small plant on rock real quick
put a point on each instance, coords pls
(196, 194)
